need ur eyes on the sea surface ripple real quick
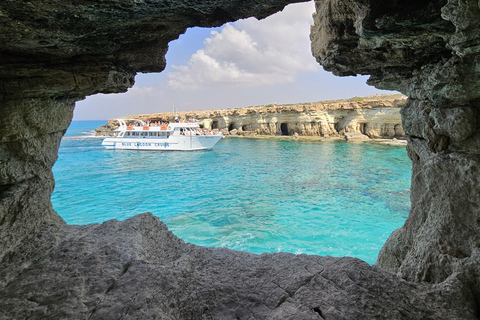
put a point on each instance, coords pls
(327, 197)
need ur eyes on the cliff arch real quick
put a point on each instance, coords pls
(428, 50)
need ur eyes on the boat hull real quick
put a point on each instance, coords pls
(173, 143)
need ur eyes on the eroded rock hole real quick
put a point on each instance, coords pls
(317, 310)
(284, 129)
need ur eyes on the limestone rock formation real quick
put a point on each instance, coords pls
(376, 116)
(53, 53)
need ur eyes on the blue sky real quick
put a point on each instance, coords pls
(241, 64)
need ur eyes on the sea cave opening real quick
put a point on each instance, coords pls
(237, 186)
(363, 128)
(293, 183)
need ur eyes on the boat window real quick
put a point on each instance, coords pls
(144, 134)
(134, 133)
(127, 134)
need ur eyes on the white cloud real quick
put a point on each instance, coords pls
(247, 63)
(252, 53)
(141, 91)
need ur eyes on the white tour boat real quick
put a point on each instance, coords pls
(173, 136)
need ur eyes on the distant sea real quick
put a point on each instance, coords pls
(260, 195)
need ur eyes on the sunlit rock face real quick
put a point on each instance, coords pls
(428, 50)
(376, 116)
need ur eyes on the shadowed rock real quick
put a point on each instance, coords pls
(53, 53)
(428, 51)
(137, 269)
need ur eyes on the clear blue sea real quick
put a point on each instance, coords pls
(328, 198)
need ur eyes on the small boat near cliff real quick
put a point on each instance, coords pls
(134, 134)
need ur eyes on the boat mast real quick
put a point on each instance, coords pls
(175, 114)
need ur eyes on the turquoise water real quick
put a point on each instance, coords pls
(326, 198)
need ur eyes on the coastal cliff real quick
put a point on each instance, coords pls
(375, 116)
(54, 53)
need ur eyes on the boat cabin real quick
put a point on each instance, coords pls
(140, 129)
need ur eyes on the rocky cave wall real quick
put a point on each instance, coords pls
(429, 51)
(55, 52)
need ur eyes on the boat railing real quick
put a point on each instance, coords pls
(123, 123)
(186, 128)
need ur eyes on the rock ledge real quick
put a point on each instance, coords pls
(137, 269)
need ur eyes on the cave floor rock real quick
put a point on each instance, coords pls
(137, 269)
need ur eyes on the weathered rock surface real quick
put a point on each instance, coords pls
(53, 53)
(137, 269)
(29, 141)
(76, 48)
(376, 116)
(428, 50)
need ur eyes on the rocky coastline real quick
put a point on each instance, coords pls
(372, 117)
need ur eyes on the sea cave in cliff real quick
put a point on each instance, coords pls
(284, 129)
(54, 53)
